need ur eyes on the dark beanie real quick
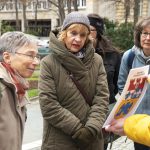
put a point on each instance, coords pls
(98, 23)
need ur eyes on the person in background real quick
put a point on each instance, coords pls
(71, 122)
(141, 50)
(18, 61)
(110, 55)
(135, 127)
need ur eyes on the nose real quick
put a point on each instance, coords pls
(36, 61)
(78, 38)
(148, 36)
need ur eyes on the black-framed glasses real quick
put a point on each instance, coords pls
(31, 57)
(145, 34)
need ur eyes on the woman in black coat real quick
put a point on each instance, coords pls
(111, 57)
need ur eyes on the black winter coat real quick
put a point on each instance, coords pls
(112, 60)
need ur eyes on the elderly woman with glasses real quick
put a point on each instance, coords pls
(141, 49)
(18, 61)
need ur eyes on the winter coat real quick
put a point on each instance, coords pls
(12, 116)
(111, 61)
(138, 61)
(137, 128)
(63, 107)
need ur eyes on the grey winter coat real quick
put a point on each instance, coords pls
(63, 107)
(12, 116)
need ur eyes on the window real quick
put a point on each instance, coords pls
(81, 3)
(9, 6)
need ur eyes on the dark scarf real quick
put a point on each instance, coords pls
(19, 82)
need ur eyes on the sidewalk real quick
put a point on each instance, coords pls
(119, 144)
(122, 144)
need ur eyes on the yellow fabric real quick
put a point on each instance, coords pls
(137, 128)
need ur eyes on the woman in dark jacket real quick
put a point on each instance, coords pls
(111, 57)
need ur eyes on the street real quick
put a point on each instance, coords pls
(33, 127)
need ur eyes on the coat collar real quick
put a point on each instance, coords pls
(70, 61)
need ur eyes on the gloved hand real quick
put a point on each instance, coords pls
(83, 137)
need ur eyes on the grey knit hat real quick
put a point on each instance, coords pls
(75, 17)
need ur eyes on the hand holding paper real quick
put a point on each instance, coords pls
(116, 127)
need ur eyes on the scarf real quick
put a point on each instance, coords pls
(20, 83)
(80, 54)
(141, 54)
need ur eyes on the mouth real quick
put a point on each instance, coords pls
(31, 69)
(76, 46)
(147, 44)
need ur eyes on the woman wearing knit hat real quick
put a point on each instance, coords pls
(73, 91)
(110, 55)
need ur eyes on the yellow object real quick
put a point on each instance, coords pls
(148, 78)
(137, 128)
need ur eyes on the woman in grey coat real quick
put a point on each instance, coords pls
(18, 61)
(71, 122)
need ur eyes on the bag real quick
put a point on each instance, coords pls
(130, 59)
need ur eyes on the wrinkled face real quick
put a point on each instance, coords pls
(24, 60)
(145, 40)
(75, 39)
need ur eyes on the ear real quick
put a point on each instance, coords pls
(7, 57)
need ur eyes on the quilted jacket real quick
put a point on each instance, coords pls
(63, 107)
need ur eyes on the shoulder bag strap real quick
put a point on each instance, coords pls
(87, 99)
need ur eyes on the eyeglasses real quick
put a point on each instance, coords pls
(31, 57)
(145, 34)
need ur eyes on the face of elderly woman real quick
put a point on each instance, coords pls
(24, 60)
(75, 39)
(145, 40)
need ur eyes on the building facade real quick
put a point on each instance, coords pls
(47, 17)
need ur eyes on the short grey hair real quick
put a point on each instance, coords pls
(12, 41)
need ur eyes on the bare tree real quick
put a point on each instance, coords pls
(24, 16)
(36, 10)
(128, 5)
(136, 10)
(75, 5)
(59, 4)
(127, 10)
(24, 6)
(17, 19)
(69, 5)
